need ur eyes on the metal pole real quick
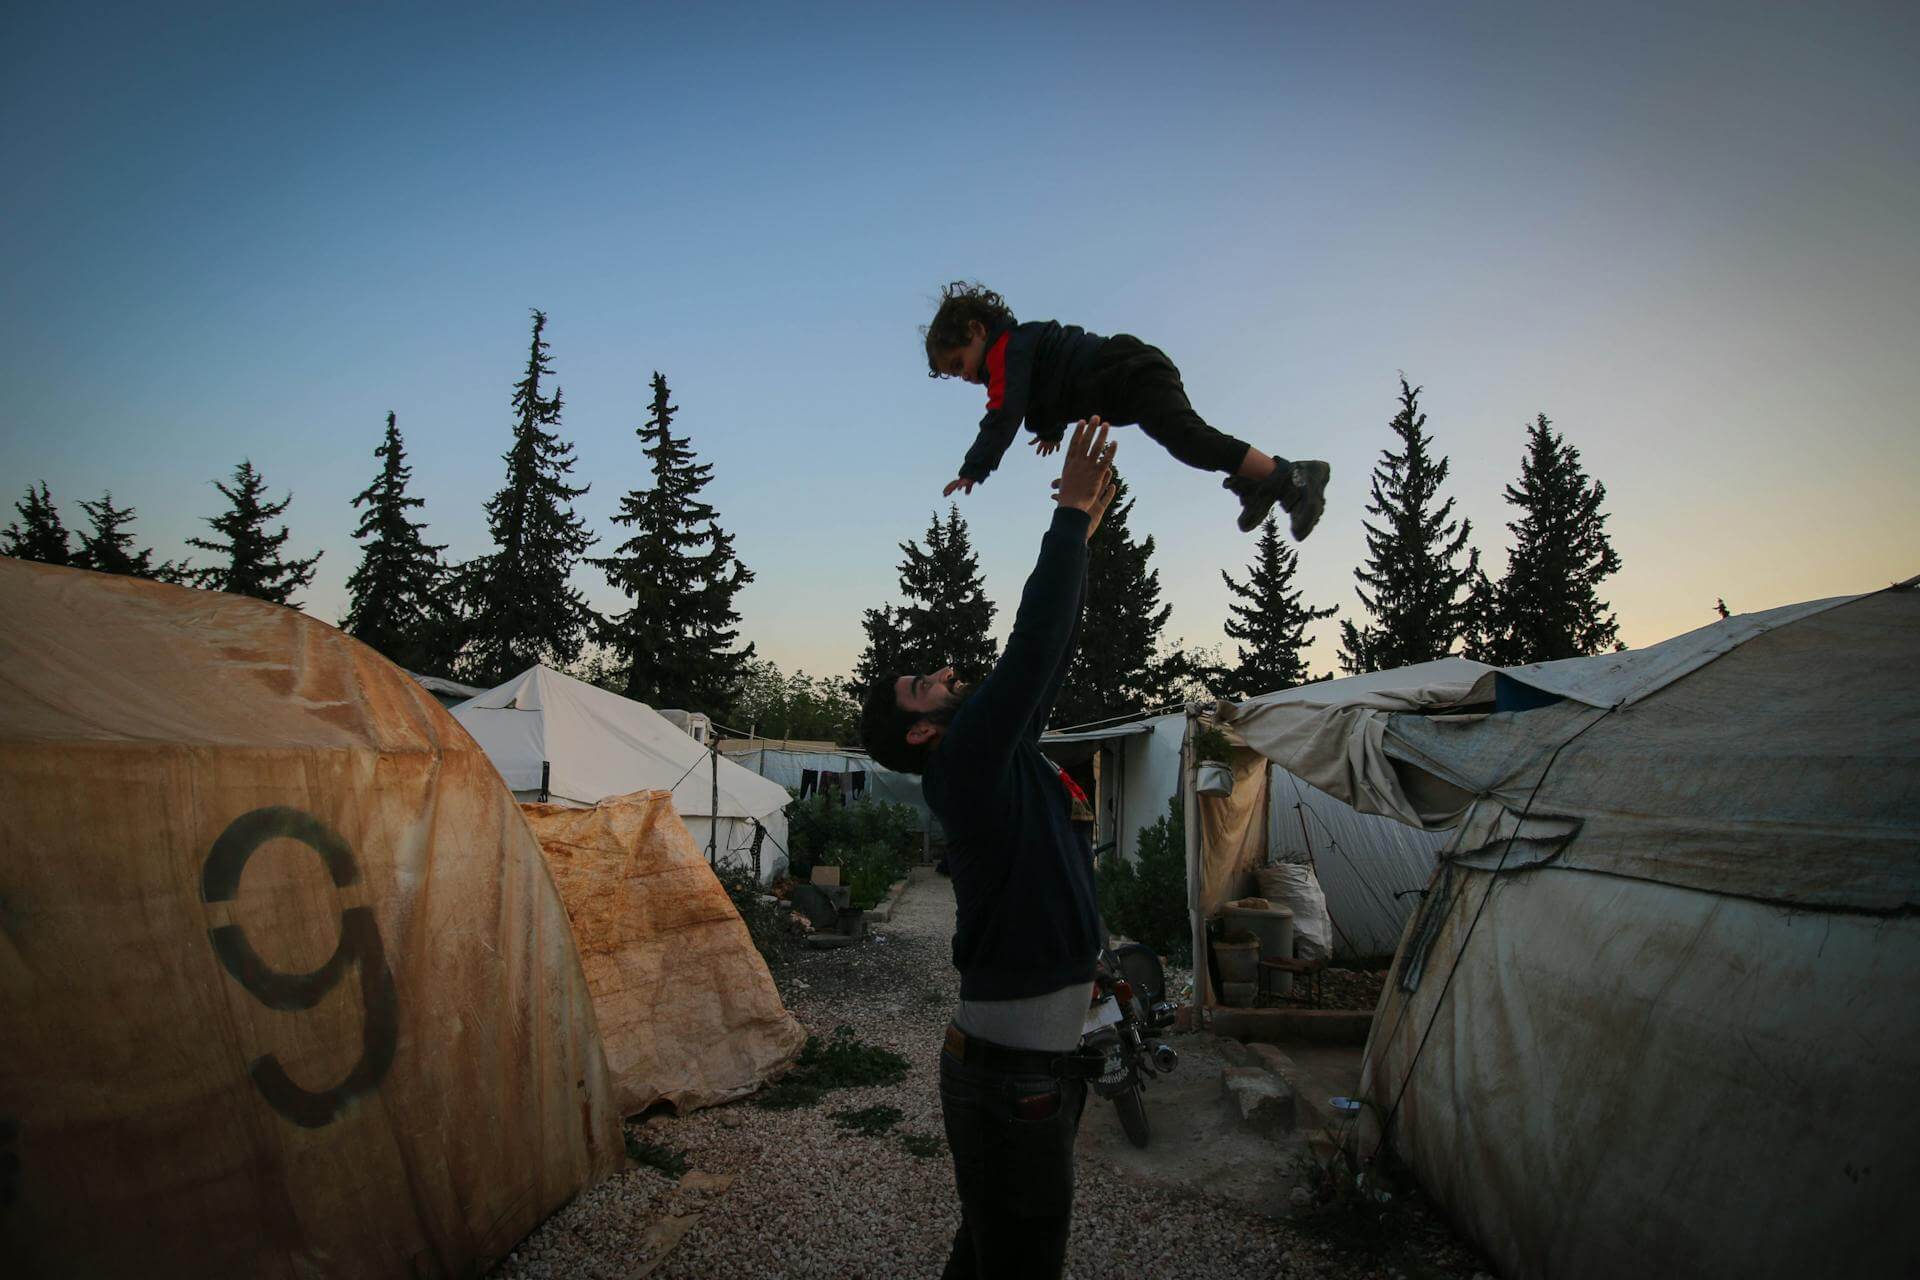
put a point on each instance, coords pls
(713, 813)
(1190, 804)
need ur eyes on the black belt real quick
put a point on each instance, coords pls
(975, 1052)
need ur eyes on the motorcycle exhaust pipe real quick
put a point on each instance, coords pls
(1164, 1057)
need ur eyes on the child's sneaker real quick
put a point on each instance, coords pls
(1306, 497)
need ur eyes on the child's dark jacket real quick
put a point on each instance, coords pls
(1036, 372)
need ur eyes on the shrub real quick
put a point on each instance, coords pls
(867, 869)
(1147, 899)
(816, 825)
(766, 922)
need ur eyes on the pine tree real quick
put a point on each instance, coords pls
(109, 547)
(1411, 583)
(40, 535)
(396, 598)
(946, 618)
(253, 564)
(516, 604)
(1118, 670)
(681, 575)
(1547, 605)
(1269, 621)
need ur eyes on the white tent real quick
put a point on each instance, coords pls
(1659, 1012)
(1370, 867)
(585, 744)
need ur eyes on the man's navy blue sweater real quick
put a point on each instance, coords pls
(1029, 921)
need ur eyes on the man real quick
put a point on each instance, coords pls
(1012, 1085)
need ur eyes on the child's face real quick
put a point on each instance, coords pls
(965, 362)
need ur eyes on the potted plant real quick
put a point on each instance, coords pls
(1212, 767)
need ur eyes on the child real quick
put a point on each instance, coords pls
(1052, 374)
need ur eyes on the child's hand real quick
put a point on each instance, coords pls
(1043, 447)
(961, 483)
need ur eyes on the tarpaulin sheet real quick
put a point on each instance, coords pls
(287, 990)
(687, 1010)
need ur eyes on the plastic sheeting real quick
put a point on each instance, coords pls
(287, 990)
(1681, 1036)
(687, 1010)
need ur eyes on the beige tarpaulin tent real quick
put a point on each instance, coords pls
(287, 987)
(687, 1011)
(1659, 1013)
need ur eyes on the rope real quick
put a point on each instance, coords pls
(1386, 1126)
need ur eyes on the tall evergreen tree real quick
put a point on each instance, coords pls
(1269, 621)
(1412, 583)
(517, 606)
(946, 618)
(681, 575)
(1118, 669)
(1547, 606)
(40, 535)
(108, 547)
(396, 598)
(253, 565)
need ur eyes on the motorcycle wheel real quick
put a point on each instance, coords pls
(1133, 1114)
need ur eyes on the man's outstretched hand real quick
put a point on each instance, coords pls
(1086, 478)
(961, 483)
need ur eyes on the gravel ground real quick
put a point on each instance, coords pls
(789, 1193)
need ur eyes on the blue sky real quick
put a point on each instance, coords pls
(1683, 232)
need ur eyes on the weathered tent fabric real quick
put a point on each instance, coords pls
(287, 988)
(1681, 1037)
(687, 1010)
(597, 744)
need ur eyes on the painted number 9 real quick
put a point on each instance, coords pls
(359, 947)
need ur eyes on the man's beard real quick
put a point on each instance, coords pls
(944, 715)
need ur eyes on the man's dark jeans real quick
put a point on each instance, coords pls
(1012, 1140)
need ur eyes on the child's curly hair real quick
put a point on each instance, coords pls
(961, 303)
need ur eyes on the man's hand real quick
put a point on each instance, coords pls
(1043, 446)
(961, 483)
(1086, 479)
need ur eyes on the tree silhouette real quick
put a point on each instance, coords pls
(1269, 621)
(1117, 669)
(396, 598)
(681, 575)
(108, 548)
(1411, 584)
(39, 534)
(253, 565)
(946, 616)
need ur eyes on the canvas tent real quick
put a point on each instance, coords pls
(687, 1010)
(590, 744)
(285, 986)
(1660, 1011)
(1370, 867)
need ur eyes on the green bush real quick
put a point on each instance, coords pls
(867, 870)
(1147, 899)
(766, 922)
(823, 832)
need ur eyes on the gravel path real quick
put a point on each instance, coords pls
(789, 1193)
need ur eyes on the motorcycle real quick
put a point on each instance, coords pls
(1129, 1005)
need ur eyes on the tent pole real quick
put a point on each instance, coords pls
(713, 818)
(1190, 808)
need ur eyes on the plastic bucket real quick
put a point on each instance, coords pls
(1238, 956)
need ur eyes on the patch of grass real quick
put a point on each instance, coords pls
(840, 1061)
(923, 1145)
(871, 1121)
(657, 1155)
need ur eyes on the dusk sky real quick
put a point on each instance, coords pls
(1689, 234)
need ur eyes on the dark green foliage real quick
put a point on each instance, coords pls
(925, 1146)
(871, 1121)
(1269, 621)
(867, 869)
(945, 619)
(820, 830)
(397, 597)
(516, 605)
(840, 1061)
(1146, 899)
(253, 565)
(766, 921)
(773, 705)
(40, 535)
(680, 575)
(108, 547)
(657, 1155)
(1117, 670)
(1420, 599)
(1548, 604)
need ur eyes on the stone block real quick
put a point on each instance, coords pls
(1260, 1099)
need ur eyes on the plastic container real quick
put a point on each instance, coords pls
(1273, 927)
(1238, 955)
(1239, 995)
